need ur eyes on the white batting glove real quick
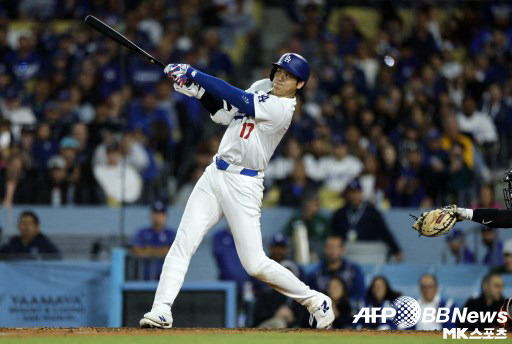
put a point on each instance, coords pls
(193, 90)
(176, 72)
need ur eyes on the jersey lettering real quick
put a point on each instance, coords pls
(251, 127)
(263, 97)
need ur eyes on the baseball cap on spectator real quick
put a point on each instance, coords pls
(69, 142)
(354, 185)
(56, 161)
(507, 247)
(159, 207)
(455, 234)
(279, 239)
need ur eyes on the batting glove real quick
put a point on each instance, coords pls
(192, 90)
(174, 70)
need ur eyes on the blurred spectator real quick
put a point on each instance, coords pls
(120, 182)
(337, 291)
(154, 122)
(459, 176)
(335, 264)
(452, 135)
(490, 300)
(152, 243)
(361, 221)
(436, 162)
(486, 198)
(181, 198)
(494, 246)
(55, 189)
(430, 297)
(294, 188)
(316, 224)
(475, 123)
(282, 166)
(15, 112)
(372, 182)
(458, 250)
(506, 267)
(228, 263)
(31, 243)
(408, 190)
(340, 168)
(379, 294)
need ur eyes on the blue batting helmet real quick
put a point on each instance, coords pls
(295, 64)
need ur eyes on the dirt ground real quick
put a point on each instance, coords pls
(131, 331)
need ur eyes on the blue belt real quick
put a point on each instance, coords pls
(222, 165)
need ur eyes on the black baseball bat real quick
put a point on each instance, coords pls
(108, 31)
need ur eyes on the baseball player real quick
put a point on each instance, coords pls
(232, 186)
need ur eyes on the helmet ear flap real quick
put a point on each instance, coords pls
(273, 72)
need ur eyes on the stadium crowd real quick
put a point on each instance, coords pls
(420, 110)
(419, 113)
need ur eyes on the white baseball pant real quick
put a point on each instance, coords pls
(237, 197)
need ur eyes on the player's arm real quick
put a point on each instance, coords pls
(496, 218)
(218, 88)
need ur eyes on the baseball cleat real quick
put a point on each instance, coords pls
(156, 320)
(323, 315)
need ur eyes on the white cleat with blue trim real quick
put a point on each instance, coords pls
(156, 320)
(323, 315)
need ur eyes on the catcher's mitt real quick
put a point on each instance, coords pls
(436, 222)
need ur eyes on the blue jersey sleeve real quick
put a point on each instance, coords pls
(243, 100)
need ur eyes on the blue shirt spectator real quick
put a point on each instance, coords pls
(334, 264)
(458, 249)
(145, 115)
(360, 220)
(494, 254)
(152, 243)
(30, 243)
(229, 264)
(143, 76)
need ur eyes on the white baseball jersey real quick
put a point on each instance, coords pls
(250, 141)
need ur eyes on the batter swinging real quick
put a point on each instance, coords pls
(232, 185)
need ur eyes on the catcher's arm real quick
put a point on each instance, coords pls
(497, 218)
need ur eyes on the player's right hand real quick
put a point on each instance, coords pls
(192, 90)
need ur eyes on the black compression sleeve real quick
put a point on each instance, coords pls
(210, 103)
(497, 218)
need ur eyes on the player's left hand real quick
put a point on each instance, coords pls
(436, 222)
(190, 89)
(176, 71)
